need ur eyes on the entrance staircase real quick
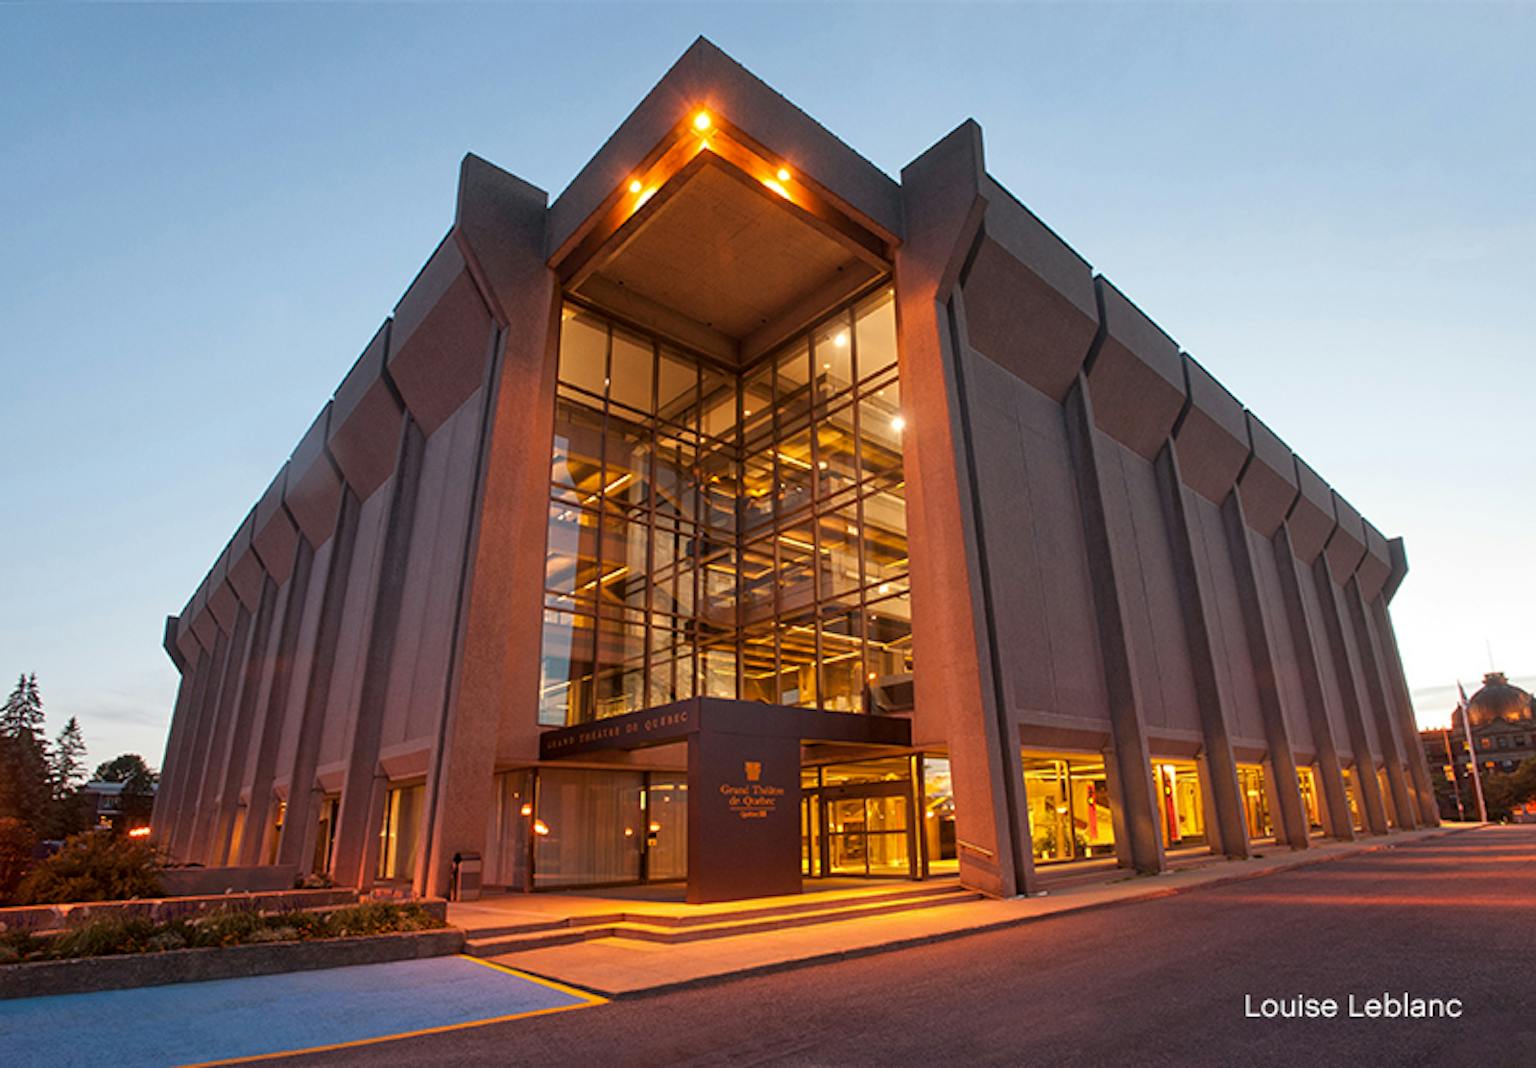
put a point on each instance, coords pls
(679, 923)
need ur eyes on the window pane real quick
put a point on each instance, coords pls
(880, 427)
(677, 484)
(797, 660)
(888, 625)
(757, 581)
(589, 827)
(757, 407)
(875, 333)
(677, 387)
(757, 664)
(842, 664)
(576, 468)
(583, 350)
(627, 470)
(794, 476)
(840, 545)
(832, 357)
(792, 386)
(565, 675)
(570, 561)
(630, 371)
(836, 467)
(797, 570)
(719, 395)
(885, 541)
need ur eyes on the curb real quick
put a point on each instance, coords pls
(86, 974)
(834, 956)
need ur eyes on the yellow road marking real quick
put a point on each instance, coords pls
(588, 1000)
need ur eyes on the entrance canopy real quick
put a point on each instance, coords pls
(743, 781)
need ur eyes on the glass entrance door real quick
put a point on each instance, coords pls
(866, 832)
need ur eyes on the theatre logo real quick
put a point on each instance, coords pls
(752, 799)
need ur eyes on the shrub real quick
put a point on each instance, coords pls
(16, 844)
(104, 936)
(226, 927)
(93, 866)
(378, 917)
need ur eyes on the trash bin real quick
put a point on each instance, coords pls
(466, 877)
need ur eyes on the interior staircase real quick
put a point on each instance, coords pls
(644, 924)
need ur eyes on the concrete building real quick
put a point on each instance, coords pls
(744, 515)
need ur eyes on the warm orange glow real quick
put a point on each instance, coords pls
(139, 832)
(898, 424)
(540, 827)
(527, 809)
(636, 186)
(783, 174)
(776, 187)
(702, 121)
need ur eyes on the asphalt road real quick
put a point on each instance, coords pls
(1155, 983)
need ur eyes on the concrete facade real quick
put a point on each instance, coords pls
(1109, 554)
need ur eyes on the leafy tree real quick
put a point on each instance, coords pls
(138, 779)
(93, 866)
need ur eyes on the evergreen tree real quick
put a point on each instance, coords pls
(67, 764)
(25, 786)
(23, 709)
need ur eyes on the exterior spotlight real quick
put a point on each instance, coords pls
(783, 174)
(139, 832)
(527, 809)
(540, 827)
(635, 186)
(702, 121)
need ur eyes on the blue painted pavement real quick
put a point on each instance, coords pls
(187, 1023)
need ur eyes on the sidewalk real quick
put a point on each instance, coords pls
(616, 967)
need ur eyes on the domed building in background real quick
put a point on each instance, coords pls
(1503, 732)
(1497, 702)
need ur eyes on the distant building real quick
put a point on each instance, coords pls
(109, 805)
(1503, 737)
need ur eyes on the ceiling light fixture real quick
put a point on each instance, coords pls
(702, 121)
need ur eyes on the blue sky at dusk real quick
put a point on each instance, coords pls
(207, 210)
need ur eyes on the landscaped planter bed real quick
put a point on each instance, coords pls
(38, 978)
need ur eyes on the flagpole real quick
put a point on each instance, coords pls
(1466, 727)
(1461, 811)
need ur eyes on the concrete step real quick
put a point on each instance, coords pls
(727, 925)
(813, 901)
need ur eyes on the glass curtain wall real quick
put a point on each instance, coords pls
(725, 534)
